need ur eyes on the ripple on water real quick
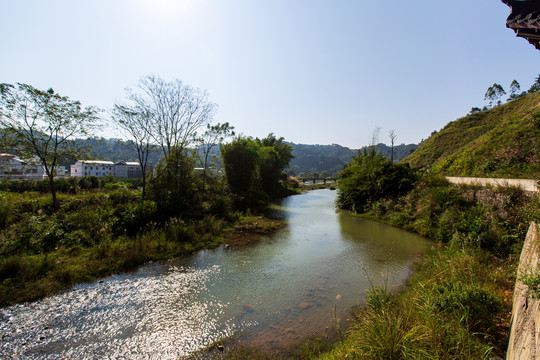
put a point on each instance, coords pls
(139, 315)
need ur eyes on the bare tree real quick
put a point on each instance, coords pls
(176, 111)
(375, 139)
(392, 135)
(134, 123)
(43, 123)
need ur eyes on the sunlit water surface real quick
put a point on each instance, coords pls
(276, 291)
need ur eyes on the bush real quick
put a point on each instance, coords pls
(471, 305)
(371, 177)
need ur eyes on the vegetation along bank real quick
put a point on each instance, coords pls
(89, 227)
(458, 302)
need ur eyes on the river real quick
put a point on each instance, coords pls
(288, 285)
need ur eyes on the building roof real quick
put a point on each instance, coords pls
(524, 19)
(96, 162)
(128, 163)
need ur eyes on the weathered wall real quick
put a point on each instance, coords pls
(525, 333)
(527, 185)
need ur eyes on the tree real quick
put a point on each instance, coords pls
(371, 177)
(43, 123)
(494, 93)
(240, 163)
(135, 125)
(514, 90)
(212, 137)
(392, 135)
(274, 157)
(535, 87)
(175, 112)
(254, 167)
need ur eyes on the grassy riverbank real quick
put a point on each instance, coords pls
(96, 234)
(458, 302)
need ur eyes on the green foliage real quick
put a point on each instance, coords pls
(535, 87)
(472, 305)
(240, 163)
(501, 142)
(532, 280)
(453, 307)
(371, 177)
(329, 160)
(254, 169)
(41, 122)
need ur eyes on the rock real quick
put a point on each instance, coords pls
(304, 305)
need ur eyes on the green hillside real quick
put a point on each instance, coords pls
(500, 142)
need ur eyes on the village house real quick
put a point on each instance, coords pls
(12, 167)
(100, 168)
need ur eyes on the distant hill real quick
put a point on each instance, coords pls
(501, 142)
(331, 159)
(327, 160)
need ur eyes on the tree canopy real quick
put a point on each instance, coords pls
(42, 123)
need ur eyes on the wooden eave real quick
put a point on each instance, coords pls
(524, 19)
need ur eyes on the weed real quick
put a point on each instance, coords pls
(532, 280)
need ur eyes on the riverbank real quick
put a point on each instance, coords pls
(98, 234)
(457, 303)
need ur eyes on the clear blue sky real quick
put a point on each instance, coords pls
(312, 71)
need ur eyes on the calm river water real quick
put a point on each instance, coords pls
(278, 290)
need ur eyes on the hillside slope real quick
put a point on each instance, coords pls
(501, 142)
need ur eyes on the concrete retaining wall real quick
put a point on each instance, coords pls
(525, 333)
(527, 185)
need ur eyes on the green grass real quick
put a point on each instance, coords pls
(455, 306)
(96, 234)
(501, 142)
(457, 303)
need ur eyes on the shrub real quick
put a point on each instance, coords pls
(371, 177)
(472, 305)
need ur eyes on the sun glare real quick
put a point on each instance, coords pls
(164, 9)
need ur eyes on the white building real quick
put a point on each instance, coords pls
(97, 168)
(12, 167)
(127, 169)
(100, 168)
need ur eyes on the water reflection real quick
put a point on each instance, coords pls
(276, 291)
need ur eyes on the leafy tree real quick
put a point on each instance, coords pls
(254, 167)
(240, 163)
(370, 177)
(275, 156)
(494, 93)
(535, 87)
(515, 88)
(42, 123)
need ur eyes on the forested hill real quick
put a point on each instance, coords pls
(114, 150)
(501, 142)
(328, 160)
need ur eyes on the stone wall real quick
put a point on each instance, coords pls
(525, 333)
